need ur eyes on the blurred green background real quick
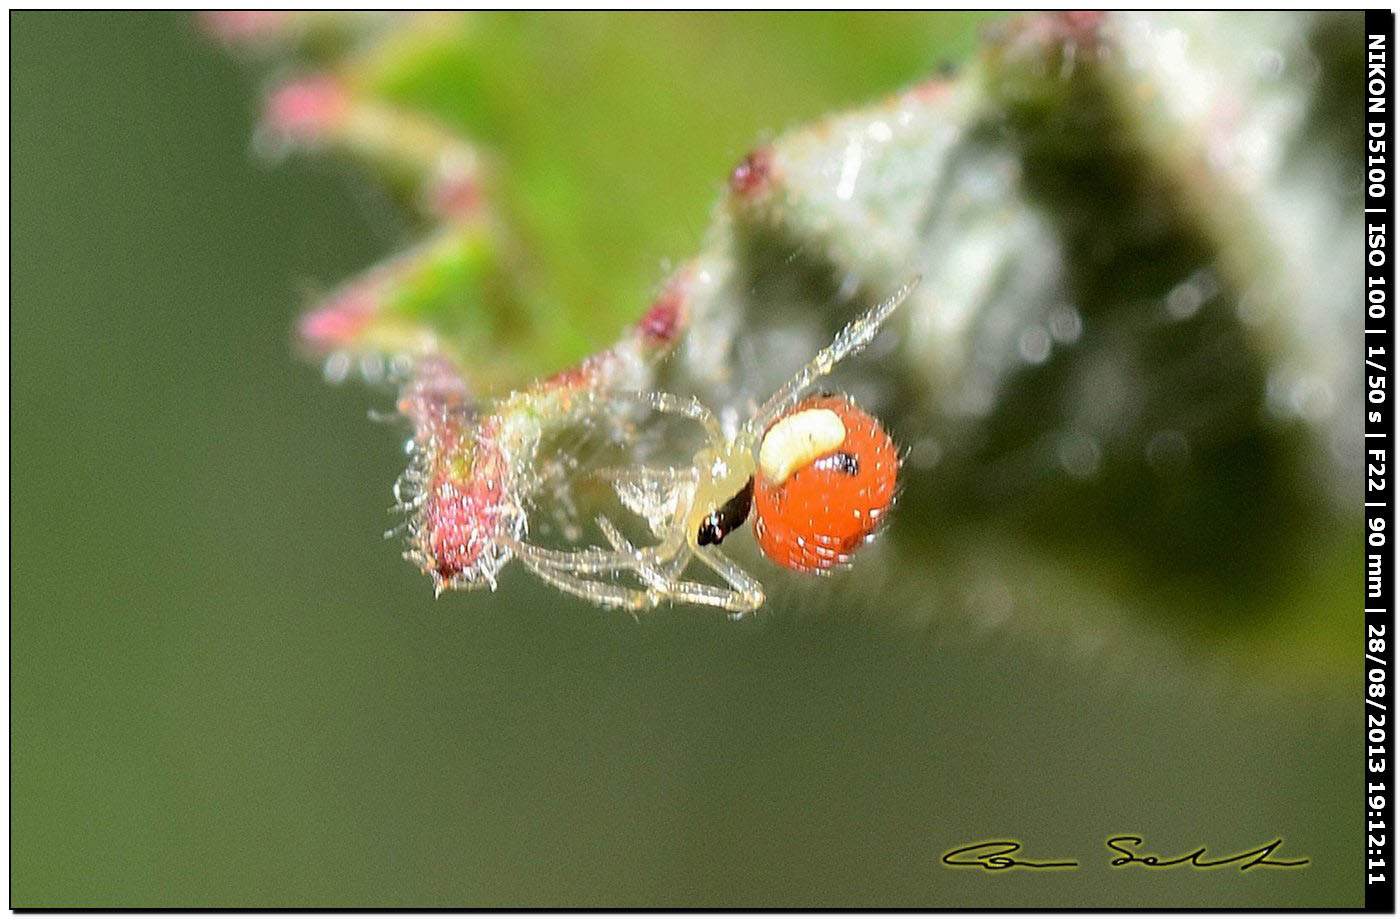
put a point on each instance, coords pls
(227, 690)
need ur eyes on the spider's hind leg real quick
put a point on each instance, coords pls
(746, 595)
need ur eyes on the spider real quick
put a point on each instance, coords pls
(820, 470)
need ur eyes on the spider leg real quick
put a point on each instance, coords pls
(595, 560)
(600, 592)
(582, 561)
(746, 595)
(663, 574)
(851, 340)
(689, 406)
(635, 600)
(643, 564)
(708, 595)
(653, 493)
(667, 553)
(615, 537)
(663, 475)
(660, 566)
(566, 571)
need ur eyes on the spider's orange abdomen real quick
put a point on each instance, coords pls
(826, 477)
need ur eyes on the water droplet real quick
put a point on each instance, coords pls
(990, 602)
(850, 170)
(1065, 324)
(1034, 344)
(337, 367)
(371, 368)
(1269, 63)
(1311, 398)
(1187, 298)
(1080, 455)
(925, 453)
(1276, 390)
(1168, 450)
(1253, 308)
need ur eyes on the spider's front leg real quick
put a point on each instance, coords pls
(687, 406)
(850, 340)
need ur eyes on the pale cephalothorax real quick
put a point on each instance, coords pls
(723, 493)
(795, 450)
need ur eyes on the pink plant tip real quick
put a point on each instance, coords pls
(306, 108)
(337, 324)
(664, 320)
(752, 173)
(238, 26)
